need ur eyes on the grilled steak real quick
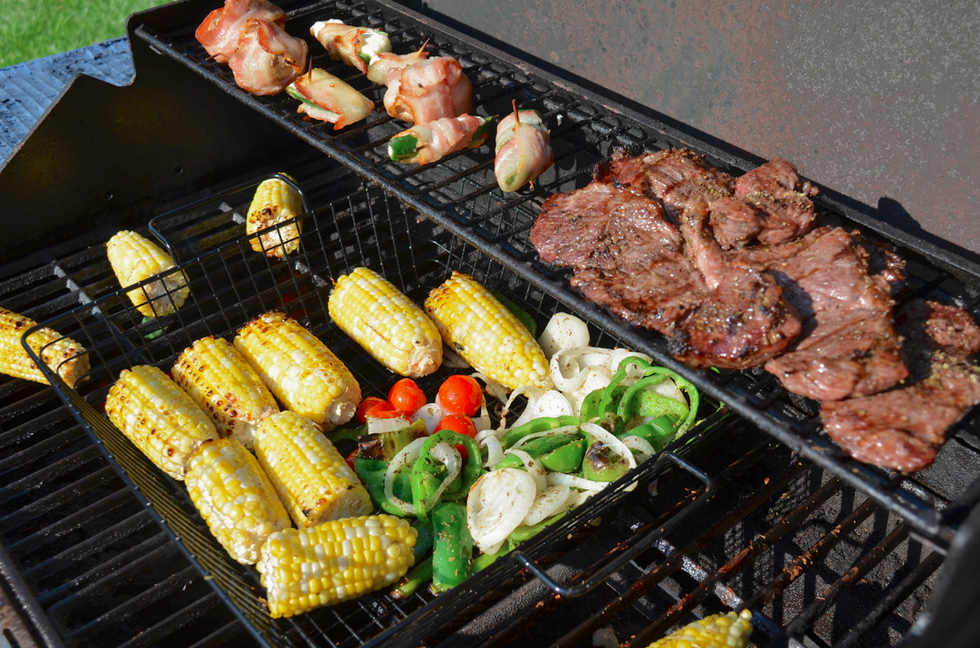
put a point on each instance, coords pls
(848, 347)
(902, 428)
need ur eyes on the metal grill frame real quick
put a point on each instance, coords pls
(460, 194)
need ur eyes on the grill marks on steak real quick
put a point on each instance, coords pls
(902, 428)
(849, 346)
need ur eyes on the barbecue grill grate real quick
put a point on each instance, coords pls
(460, 194)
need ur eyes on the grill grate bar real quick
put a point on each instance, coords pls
(159, 633)
(48, 473)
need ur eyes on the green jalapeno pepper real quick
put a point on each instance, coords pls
(452, 555)
(410, 582)
(542, 424)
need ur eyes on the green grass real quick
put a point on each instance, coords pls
(31, 29)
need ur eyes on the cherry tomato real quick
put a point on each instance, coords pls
(371, 406)
(457, 423)
(406, 396)
(352, 457)
(461, 395)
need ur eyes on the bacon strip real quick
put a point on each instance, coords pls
(428, 90)
(268, 59)
(222, 27)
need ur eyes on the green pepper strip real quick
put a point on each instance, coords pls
(410, 582)
(566, 459)
(542, 424)
(655, 376)
(536, 448)
(598, 465)
(372, 473)
(403, 148)
(452, 556)
(659, 432)
(425, 480)
(590, 404)
(423, 541)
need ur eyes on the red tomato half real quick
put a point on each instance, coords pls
(461, 395)
(406, 396)
(372, 406)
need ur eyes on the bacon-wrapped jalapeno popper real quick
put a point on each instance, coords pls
(329, 98)
(522, 150)
(426, 143)
(355, 46)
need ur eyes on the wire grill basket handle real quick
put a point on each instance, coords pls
(642, 545)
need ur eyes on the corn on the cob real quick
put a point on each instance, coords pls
(715, 631)
(303, 569)
(486, 334)
(219, 379)
(301, 371)
(312, 478)
(275, 201)
(158, 417)
(134, 258)
(384, 321)
(235, 497)
(62, 354)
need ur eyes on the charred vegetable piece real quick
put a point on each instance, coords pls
(235, 497)
(134, 258)
(158, 417)
(474, 324)
(329, 98)
(299, 369)
(522, 150)
(303, 569)
(308, 472)
(275, 202)
(62, 355)
(355, 46)
(430, 142)
(602, 465)
(386, 323)
(452, 555)
(716, 631)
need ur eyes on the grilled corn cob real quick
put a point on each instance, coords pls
(275, 201)
(384, 321)
(301, 371)
(235, 497)
(158, 417)
(312, 478)
(62, 354)
(715, 631)
(302, 569)
(486, 334)
(135, 258)
(219, 379)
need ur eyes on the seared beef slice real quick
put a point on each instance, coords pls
(902, 428)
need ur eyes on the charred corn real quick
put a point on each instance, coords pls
(716, 631)
(303, 569)
(222, 382)
(383, 320)
(62, 355)
(235, 497)
(158, 417)
(275, 202)
(312, 478)
(135, 258)
(486, 334)
(299, 369)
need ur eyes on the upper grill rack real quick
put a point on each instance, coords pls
(460, 194)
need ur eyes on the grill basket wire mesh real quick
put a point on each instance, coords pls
(460, 194)
(230, 284)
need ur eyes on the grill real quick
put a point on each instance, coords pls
(754, 508)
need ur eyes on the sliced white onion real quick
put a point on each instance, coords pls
(405, 458)
(639, 444)
(534, 468)
(453, 461)
(610, 441)
(669, 389)
(482, 422)
(491, 387)
(379, 425)
(492, 549)
(497, 504)
(633, 372)
(562, 331)
(595, 378)
(431, 413)
(578, 497)
(495, 452)
(559, 478)
(551, 403)
(551, 500)
(532, 392)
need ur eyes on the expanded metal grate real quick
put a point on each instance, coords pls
(460, 194)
